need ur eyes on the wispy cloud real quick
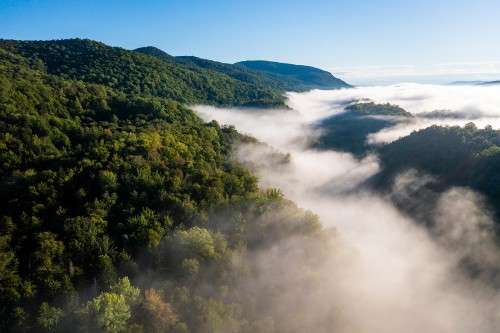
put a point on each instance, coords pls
(464, 103)
(423, 73)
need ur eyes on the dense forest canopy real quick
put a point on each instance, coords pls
(120, 209)
(279, 76)
(455, 156)
(140, 74)
(452, 155)
(156, 52)
(373, 109)
(149, 71)
(236, 72)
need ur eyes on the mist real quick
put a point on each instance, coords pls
(386, 272)
(461, 104)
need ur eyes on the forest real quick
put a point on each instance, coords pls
(149, 71)
(121, 210)
(454, 156)
(141, 74)
(295, 77)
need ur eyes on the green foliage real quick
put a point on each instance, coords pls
(440, 150)
(372, 109)
(280, 77)
(143, 74)
(458, 156)
(104, 184)
(155, 52)
(49, 317)
(295, 77)
(125, 288)
(48, 270)
(10, 283)
(490, 151)
(110, 312)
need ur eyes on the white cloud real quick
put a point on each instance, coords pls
(387, 274)
(482, 103)
(440, 73)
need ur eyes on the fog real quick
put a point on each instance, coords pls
(415, 98)
(390, 134)
(386, 273)
(479, 104)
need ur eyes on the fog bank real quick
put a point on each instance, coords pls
(387, 274)
(480, 104)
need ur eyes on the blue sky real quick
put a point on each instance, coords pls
(363, 41)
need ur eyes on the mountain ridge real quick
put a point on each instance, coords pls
(307, 77)
(138, 73)
(121, 205)
(281, 76)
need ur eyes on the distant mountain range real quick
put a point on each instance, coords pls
(278, 75)
(491, 82)
(296, 77)
(107, 179)
(149, 71)
(475, 83)
(116, 195)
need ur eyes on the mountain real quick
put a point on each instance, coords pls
(296, 77)
(373, 109)
(149, 71)
(474, 83)
(155, 52)
(490, 83)
(467, 83)
(121, 210)
(236, 72)
(451, 156)
(448, 114)
(283, 77)
(348, 130)
(137, 73)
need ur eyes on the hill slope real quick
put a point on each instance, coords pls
(296, 77)
(119, 209)
(236, 72)
(155, 52)
(348, 131)
(283, 77)
(454, 156)
(136, 73)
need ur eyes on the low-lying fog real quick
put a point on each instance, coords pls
(399, 280)
(480, 104)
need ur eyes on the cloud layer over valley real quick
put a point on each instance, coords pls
(458, 104)
(388, 273)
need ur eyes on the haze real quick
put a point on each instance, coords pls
(388, 274)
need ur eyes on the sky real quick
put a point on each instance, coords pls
(364, 41)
